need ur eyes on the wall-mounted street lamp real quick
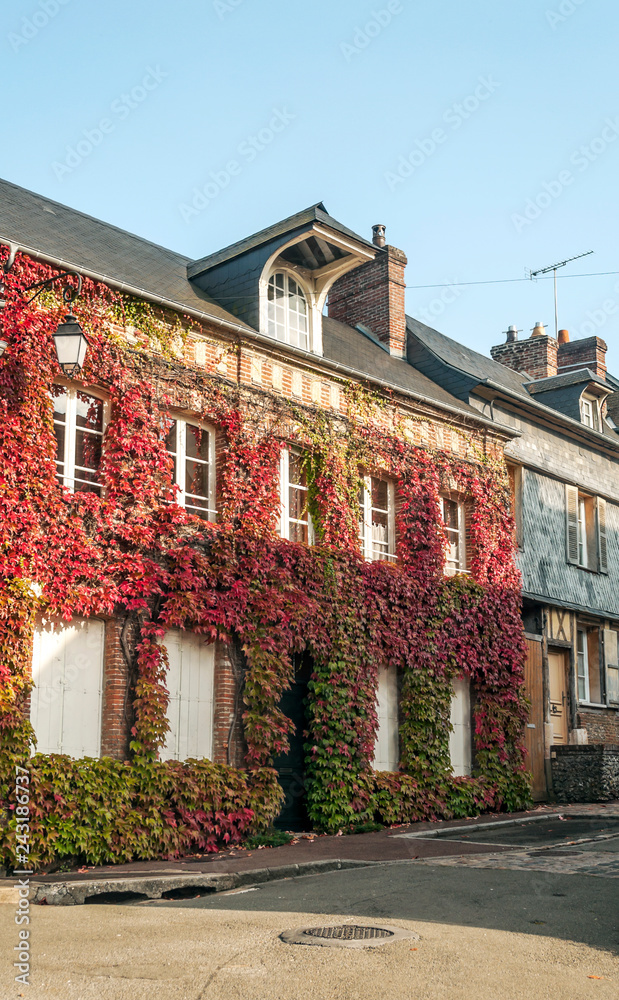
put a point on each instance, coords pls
(69, 339)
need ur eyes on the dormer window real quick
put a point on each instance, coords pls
(589, 411)
(288, 313)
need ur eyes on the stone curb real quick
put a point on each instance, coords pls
(154, 887)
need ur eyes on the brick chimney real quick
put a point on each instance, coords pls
(373, 295)
(536, 356)
(577, 354)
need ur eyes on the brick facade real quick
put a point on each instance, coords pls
(116, 696)
(373, 295)
(577, 354)
(536, 356)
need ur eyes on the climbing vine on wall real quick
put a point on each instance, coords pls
(134, 553)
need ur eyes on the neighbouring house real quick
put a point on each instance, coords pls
(564, 470)
(257, 563)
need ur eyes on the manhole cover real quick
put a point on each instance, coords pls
(350, 932)
(347, 935)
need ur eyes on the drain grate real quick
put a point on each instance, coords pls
(348, 935)
(349, 932)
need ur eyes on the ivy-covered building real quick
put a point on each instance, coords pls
(256, 564)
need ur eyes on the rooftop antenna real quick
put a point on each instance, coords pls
(554, 267)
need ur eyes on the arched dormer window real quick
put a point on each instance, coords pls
(288, 313)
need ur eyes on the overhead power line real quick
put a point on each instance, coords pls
(503, 281)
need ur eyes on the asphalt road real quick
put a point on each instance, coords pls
(569, 907)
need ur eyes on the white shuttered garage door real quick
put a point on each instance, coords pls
(190, 709)
(67, 669)
(460, 738)
(386, 750)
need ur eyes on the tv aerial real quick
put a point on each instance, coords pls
(554, 268)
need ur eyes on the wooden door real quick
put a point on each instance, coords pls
(558, 696)
(534, 732)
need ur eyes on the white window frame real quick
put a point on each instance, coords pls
(583, 540)
(452, 570)
(284, 497)
(582, 664)
(180, 458)
(368, 549)
(589, 412)
(68, 476)
(271, 327)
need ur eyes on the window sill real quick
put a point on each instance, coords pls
(592, 704)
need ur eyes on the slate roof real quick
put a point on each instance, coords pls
(315, 213)
(465, 360)
(79, 241)
(355, 350)
(565, 379)
(84, 243)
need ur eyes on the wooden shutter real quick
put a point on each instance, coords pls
(387, 748)
(601, 532)
(190, 708)
(67, 670)
(571, 508)
(611, 663)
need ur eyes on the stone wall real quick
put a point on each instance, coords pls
(585, 773)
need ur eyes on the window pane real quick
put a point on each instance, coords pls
(197, 443)
(60, 405)
(296, 471)
(450, 514)
(170, 441)
(299, 533)
(196, 479)
(89, 412)
(87, 451)
(60, 432)
(380, 493)
(297, 503)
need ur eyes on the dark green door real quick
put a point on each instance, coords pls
(291, 766)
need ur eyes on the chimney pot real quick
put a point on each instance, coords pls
(539, 330)
(564, 337)
(511, 334)
(378, 235)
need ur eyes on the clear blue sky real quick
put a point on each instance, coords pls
(161, 96)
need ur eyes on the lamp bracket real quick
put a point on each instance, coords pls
(69, 293)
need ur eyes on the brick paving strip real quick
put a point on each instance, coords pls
(310, 855)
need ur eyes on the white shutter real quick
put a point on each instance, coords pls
(190, 709)
(571, 509)
(67, 670)
(387, 747)
(611, 663)
(601, 529)
(460, 738)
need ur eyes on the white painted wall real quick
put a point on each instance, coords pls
(387, 749)
(190, 709)
(461, 737)
(67, 670)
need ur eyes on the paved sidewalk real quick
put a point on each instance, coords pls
(236, 867)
